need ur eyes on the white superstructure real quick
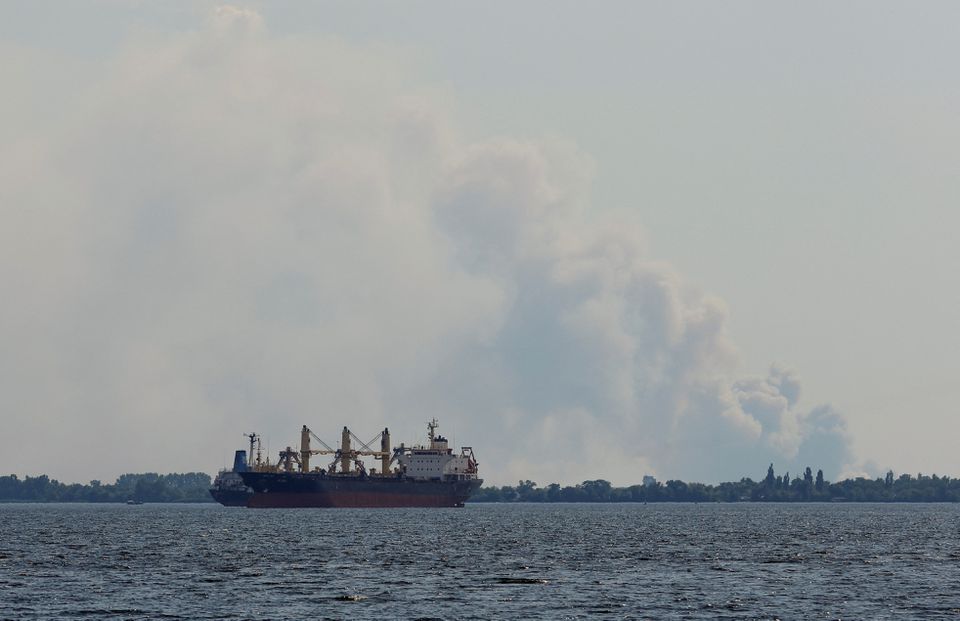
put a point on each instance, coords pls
(437, 461)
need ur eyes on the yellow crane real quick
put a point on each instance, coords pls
(346, 454)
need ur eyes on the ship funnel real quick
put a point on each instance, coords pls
(240, 461)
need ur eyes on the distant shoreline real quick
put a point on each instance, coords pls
(8, 501)
(772, 488)
(527, 502)
(193, 488)
(151, 487)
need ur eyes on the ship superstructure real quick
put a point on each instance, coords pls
(228, 487)
(436, 461)
(416, 476)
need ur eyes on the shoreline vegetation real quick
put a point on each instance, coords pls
(193, 487)
(147, 487)
(808, 487)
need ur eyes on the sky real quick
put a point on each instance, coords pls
(594, 240)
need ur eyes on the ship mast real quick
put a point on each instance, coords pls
(386, 456)
(431, 430)
(253, 438)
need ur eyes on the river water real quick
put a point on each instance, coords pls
(558, 561)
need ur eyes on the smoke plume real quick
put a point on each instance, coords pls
(227, 230)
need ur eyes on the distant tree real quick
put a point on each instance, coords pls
(191, 487)
(888, 480)
(597, 491)
(769, 481)
(677, 490)
(553, 492)
(9, 487)
(527, 492)
(486, 494)
(37, 488)
(636, 493)
(819, 482)
(805, 485)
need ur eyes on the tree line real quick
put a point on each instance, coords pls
(146, 487)
(807, 487)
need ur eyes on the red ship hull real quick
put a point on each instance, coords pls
(354, 499)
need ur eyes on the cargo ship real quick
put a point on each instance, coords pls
(228, 488)
(416, 476)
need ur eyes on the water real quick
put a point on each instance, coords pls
(652, 561)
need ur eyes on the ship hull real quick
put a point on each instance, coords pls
(231, 498)
(228, 488)
(294, 490)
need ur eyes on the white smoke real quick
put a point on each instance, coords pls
(227, 230)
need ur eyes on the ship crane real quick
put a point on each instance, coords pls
(346, 455)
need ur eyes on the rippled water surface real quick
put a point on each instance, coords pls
(482, 562)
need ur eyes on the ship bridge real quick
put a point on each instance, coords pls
(436, 461)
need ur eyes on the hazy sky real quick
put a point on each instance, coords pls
(593, 239)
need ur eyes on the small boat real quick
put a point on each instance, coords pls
(134, 502)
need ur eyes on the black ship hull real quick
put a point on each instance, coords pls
(228, 488)
(231, 497)
(279, 489)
